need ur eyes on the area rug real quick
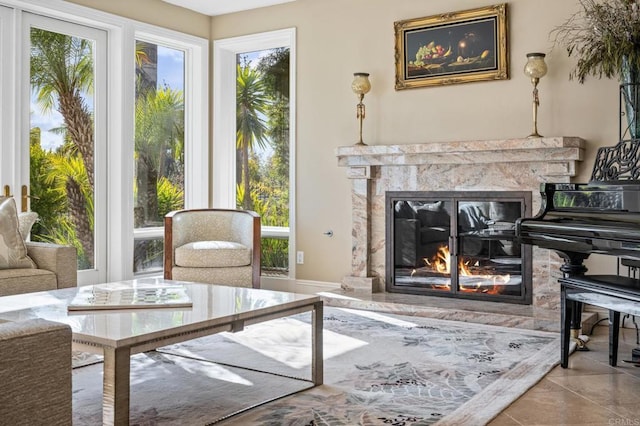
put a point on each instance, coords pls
(379, 369)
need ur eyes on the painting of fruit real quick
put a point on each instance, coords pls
(450, 48)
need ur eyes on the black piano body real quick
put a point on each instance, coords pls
(579, 219)
(575, 221)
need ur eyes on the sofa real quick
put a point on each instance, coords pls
(35, 372)
(56, 267)
(25, 266)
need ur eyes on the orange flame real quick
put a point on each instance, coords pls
(490, 284)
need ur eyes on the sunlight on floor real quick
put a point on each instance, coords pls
(192, 366)
(288, 340)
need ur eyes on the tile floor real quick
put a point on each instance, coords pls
(589, 392)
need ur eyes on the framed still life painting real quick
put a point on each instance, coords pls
(450, 48)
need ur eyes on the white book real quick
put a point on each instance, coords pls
(127, 296)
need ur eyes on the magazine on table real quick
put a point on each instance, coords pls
(126, 296)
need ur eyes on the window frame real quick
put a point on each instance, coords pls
(224, 125)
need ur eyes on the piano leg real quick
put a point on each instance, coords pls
(566, 308)
(573, 266)
(576, 327)
(614, 332)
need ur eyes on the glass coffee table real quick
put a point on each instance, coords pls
(119, 333)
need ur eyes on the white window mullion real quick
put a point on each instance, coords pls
(8, 87)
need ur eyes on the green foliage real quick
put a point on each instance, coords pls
(602, 35)
(47, 201)
(275, 255)
(59, 64)
(263, 122)
(50, 172)
(170, 197)
(159, 150)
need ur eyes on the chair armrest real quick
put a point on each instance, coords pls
(61, 260)
(35, 372)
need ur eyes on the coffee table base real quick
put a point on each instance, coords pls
(117, 361)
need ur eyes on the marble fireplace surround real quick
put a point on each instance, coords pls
(490, 165)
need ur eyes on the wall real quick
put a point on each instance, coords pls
(339, 37)
(154, 12)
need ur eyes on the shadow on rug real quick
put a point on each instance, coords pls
(379, 369)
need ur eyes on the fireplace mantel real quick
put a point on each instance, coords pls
(482, 165)
(561, 153)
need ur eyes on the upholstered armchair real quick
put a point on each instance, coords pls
(215, 246)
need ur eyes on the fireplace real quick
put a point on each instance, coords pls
(475, 165)
(457, 244)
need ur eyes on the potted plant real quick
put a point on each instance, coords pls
(605, 37)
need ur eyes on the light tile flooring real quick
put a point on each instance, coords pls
(589, 392)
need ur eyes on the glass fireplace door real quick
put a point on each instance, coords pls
(422, 234)
(457, 244)
(489, 261)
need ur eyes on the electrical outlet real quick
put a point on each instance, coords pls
(300, 257)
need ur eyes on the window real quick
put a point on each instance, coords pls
(262, 148)
(158, 185)
(254, 146)
(106, 100)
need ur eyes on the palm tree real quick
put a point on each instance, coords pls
(61, 73)
(159, 137)
(61, 77)
(251, 102)
(68, 177)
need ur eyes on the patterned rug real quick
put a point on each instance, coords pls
(379, 369)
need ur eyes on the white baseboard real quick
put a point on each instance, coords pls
(311, 287)
(297, 286)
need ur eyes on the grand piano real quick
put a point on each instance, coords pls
(579, 219)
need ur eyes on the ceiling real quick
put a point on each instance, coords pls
(220, 7)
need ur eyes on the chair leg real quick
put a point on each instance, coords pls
(614, 333)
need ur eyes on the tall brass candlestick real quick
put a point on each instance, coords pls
(360, 86)
(535, 68)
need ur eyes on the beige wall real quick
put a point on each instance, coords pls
(339, 37)
(155, 12)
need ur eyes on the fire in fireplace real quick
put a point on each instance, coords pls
(458, 244)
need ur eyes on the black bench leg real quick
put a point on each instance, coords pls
(614, 332)
(566, 308)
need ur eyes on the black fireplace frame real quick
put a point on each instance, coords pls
(455, 197)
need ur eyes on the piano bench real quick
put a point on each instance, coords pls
(613, 292)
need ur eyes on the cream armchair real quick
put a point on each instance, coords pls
(214, 246)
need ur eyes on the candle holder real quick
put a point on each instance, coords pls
(360, 86)
(535, 69)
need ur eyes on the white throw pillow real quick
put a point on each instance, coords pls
(13, 252)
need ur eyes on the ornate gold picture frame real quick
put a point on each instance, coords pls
(451, 48)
